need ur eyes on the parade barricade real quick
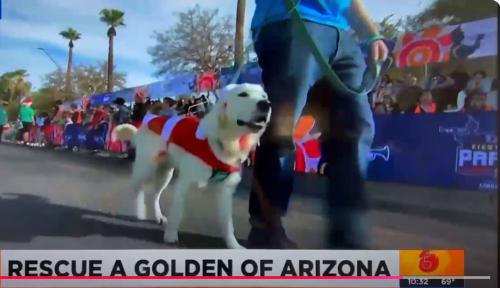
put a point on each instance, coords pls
(77, 136)
(96, 136)
(451, 150)
(74, 136)
(54, 134)
(33, 134)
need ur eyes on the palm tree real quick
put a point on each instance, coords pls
(14, 85)
(71, 35)
(239, 52)
(113, 18)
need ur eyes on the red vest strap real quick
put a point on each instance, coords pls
(156, 124)
(183, 135)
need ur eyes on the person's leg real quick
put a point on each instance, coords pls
(289, 70)
(26, 132)
(346, 146)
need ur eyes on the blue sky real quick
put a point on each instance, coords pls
(28, 24)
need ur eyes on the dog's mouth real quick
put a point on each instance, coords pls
(255, 125)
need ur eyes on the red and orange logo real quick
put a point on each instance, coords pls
(431, 262)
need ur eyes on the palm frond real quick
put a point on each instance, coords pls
(112, 17)
(70, 34)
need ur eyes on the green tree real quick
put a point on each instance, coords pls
(113, 18)
(390, 28)
(454, 12)
(56, 81)
(86, 80)
(91, 79)
(13, 110)
(411, 24)
(45, 98)
(200, 41)
(72, 35)
(13, 85)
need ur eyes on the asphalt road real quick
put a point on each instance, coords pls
(59, 200)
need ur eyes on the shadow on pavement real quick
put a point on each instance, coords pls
(24, 217)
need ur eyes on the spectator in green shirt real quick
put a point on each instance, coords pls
(27, 117)
(3, 118)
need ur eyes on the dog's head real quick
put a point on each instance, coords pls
(240, 116)
(243, 108)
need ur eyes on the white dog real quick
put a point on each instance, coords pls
(205, 153)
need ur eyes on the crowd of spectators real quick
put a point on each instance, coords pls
(47, 128)
(457, 92)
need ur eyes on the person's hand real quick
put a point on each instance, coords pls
(380, 52)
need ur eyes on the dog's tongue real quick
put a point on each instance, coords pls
(245, 142)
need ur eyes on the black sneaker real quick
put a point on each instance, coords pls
(265, 238)
(349, 230)
(338, 240)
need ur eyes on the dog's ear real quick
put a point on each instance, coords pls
(230, 87)
(223, 120)
(227, 89)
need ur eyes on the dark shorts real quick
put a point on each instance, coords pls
(27, 126)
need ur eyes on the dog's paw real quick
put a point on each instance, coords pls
(160, 219)
(233, 244)
(141, 216)
(174, 245)
(171, 238)
(237, 246)
(140, 209)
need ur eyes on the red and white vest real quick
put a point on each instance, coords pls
(183, 132)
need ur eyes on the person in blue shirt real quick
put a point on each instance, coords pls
(289, 71)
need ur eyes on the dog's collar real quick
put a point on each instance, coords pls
(218, 176)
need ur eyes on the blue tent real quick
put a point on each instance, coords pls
(179, 84)
(127, 94)
(157, 90)
(251, 73)
(102, 99)
(226, 76)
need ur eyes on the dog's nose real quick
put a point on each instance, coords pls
(264, 106)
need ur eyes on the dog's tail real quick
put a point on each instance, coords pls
(124, 132)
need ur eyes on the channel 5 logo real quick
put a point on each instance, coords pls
(431, 262)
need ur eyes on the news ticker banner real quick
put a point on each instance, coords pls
(231, 268)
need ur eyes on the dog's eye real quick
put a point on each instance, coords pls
(243, 94)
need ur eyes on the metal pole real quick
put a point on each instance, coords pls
(51, 59)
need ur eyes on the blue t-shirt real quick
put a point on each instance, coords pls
(40, 121)
(326, 12)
